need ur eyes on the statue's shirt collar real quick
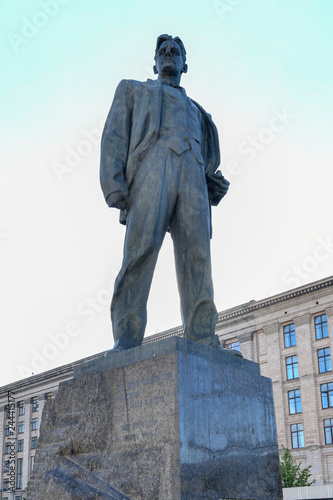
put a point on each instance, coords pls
(166, 81)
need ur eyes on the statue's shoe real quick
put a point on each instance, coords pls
(114, 351)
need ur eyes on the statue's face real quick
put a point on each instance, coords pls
(169, 60)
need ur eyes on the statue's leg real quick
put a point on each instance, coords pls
(190, 230)
(148, 216)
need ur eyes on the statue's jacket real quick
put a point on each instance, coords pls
(132, 128)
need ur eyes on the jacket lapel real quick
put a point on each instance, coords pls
(155, 90)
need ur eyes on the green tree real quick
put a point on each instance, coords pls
(26, 489)
(291, 472)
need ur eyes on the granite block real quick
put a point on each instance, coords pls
(170, 420)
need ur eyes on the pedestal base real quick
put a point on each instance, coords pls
(168, 420)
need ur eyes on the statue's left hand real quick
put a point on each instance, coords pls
(217, 187)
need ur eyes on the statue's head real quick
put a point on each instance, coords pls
(170, 56)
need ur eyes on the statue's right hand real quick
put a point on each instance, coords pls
(118, 199)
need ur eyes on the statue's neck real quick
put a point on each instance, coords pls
(172, 81)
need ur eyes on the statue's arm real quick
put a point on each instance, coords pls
(114, 147)
(217, 185)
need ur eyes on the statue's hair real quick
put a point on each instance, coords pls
(164, 38)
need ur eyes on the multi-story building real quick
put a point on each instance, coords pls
(289, 335)
(21, 408)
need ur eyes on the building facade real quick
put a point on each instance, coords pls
(289, 335)
(21, 408)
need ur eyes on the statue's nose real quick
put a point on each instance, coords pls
(168, 52)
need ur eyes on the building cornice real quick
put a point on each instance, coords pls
(61, 371)
(274, 300)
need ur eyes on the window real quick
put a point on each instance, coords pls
(6, 466)
(48, 396)
(324, 360)
(34, 442)
(292, 367)
(289, 335)
(233, 345)
(34, 424)
(21, 427)
(19, 473)
(297, 438)
(32, 461)
(21, 408)
(321, 326)
(6, 484)
(294, 398)
(9, 430)
(7, 448)
(20, 445)
(35, 404)
(328, 429)
(327, 395)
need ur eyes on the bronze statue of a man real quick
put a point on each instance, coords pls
(159, 157)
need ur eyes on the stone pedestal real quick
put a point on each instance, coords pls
(168, 420)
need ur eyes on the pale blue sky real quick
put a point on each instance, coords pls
(260, 67)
